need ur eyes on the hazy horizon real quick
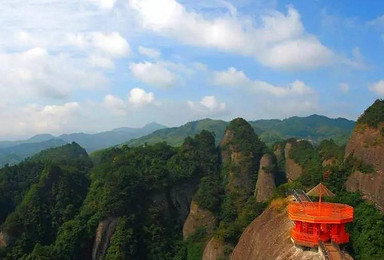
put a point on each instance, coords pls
(26, 137)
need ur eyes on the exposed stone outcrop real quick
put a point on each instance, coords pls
(5, 240)
(198, 217)
(265, 185)
(367, 145)
(214, 250)
(279, 152)
(329, 162)
(268, 238)
(292, 169)
(104, 232)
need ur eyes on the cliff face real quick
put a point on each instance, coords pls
(198, 217)
(367, 144)
(293, 170)
(104, 232)
(214, 250)
(265, 185)
(268, 237)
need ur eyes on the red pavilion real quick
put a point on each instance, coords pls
(317, 222)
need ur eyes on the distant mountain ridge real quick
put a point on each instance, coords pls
(12, 152)
(314, 128)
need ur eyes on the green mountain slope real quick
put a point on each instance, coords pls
(15, 154)
(175, 135)
(314, 128)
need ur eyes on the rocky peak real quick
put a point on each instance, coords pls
(265, 184)
(241, 151)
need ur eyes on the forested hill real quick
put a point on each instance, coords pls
(164, 202)
(314, 128)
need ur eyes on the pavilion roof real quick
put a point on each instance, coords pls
(320, 190)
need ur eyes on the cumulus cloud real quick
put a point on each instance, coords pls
(231, 77)
(38, 73)
(115, 104)
(138, 97)
(237, 78)
(278, 41)
(208, 104)
(155, 74)
(377, 88)
(149, 52)
(111, 44)
(38, 119)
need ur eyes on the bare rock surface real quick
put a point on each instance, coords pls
(198, 217)
(5, 240)
(292, 169)
(104, 232)
(367, 145)
(265, 185)
(268, 238)
(214, 250)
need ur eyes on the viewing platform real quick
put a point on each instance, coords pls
(331, 213)
(317, 222)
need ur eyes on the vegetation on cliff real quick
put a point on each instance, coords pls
(373, 115)
(147, 188)
(55, 186)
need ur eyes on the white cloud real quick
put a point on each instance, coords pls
(344, 87)
(208, 104)
(377, 87)
(231, 77)
(237, 78)
(105, 4)
(138, 97)
(378, 21)
(149, 52)
(38, 119)
(96, 60)
(115, 104)
(278, 41)
(155, 74)
(111, 44)
(37, 73)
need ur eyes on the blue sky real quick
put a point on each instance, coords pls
(93, 65)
